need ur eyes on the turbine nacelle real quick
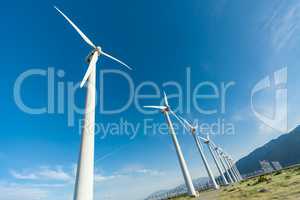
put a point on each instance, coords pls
(161, 108)
(89, 56)
(193, 130)
(164, 108)
(206, 141)
(167, 109)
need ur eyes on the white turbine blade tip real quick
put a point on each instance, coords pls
(56, 7)
(115, 59)
(166, 98)
(84, 37)
(82, 84)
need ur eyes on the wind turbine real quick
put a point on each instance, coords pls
(84, 186)
(233, 167)
(216, 149)
(207, 141)
(236, 169)
(165, 109)
(228, 166)
(193, 130)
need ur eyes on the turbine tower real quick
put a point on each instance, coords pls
(193, 130)
(207, 141)
(84, 186)
(186, 175)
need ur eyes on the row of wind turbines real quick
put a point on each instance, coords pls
(227, 169)
(84, 185)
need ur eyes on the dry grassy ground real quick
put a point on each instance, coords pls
(283, 185)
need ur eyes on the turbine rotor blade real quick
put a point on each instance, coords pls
(84, 37)
(90, 69)
(180, 121)
(156, 107)
(185, 121)
(166, 99)
(195, 125)
(202, 138)
(213, 144)
(115, 59)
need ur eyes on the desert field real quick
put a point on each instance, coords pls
(283, 184)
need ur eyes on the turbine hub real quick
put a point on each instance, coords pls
(193, 129)
(89, 57)
(99, 49)
(167, 109)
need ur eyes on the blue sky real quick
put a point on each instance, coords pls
(219, 41)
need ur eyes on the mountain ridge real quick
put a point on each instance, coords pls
(285, 149)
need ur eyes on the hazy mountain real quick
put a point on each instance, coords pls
(285, 149)
(181, 189)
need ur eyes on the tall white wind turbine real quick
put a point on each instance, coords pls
(84, 186)
(208, 142)
(193, 130)
(165, 109)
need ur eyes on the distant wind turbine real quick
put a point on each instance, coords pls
(193, 130)
(233, 167)
(208, 142)
(165, 109)
(84, 186)
(227, 165)
(218, 153)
